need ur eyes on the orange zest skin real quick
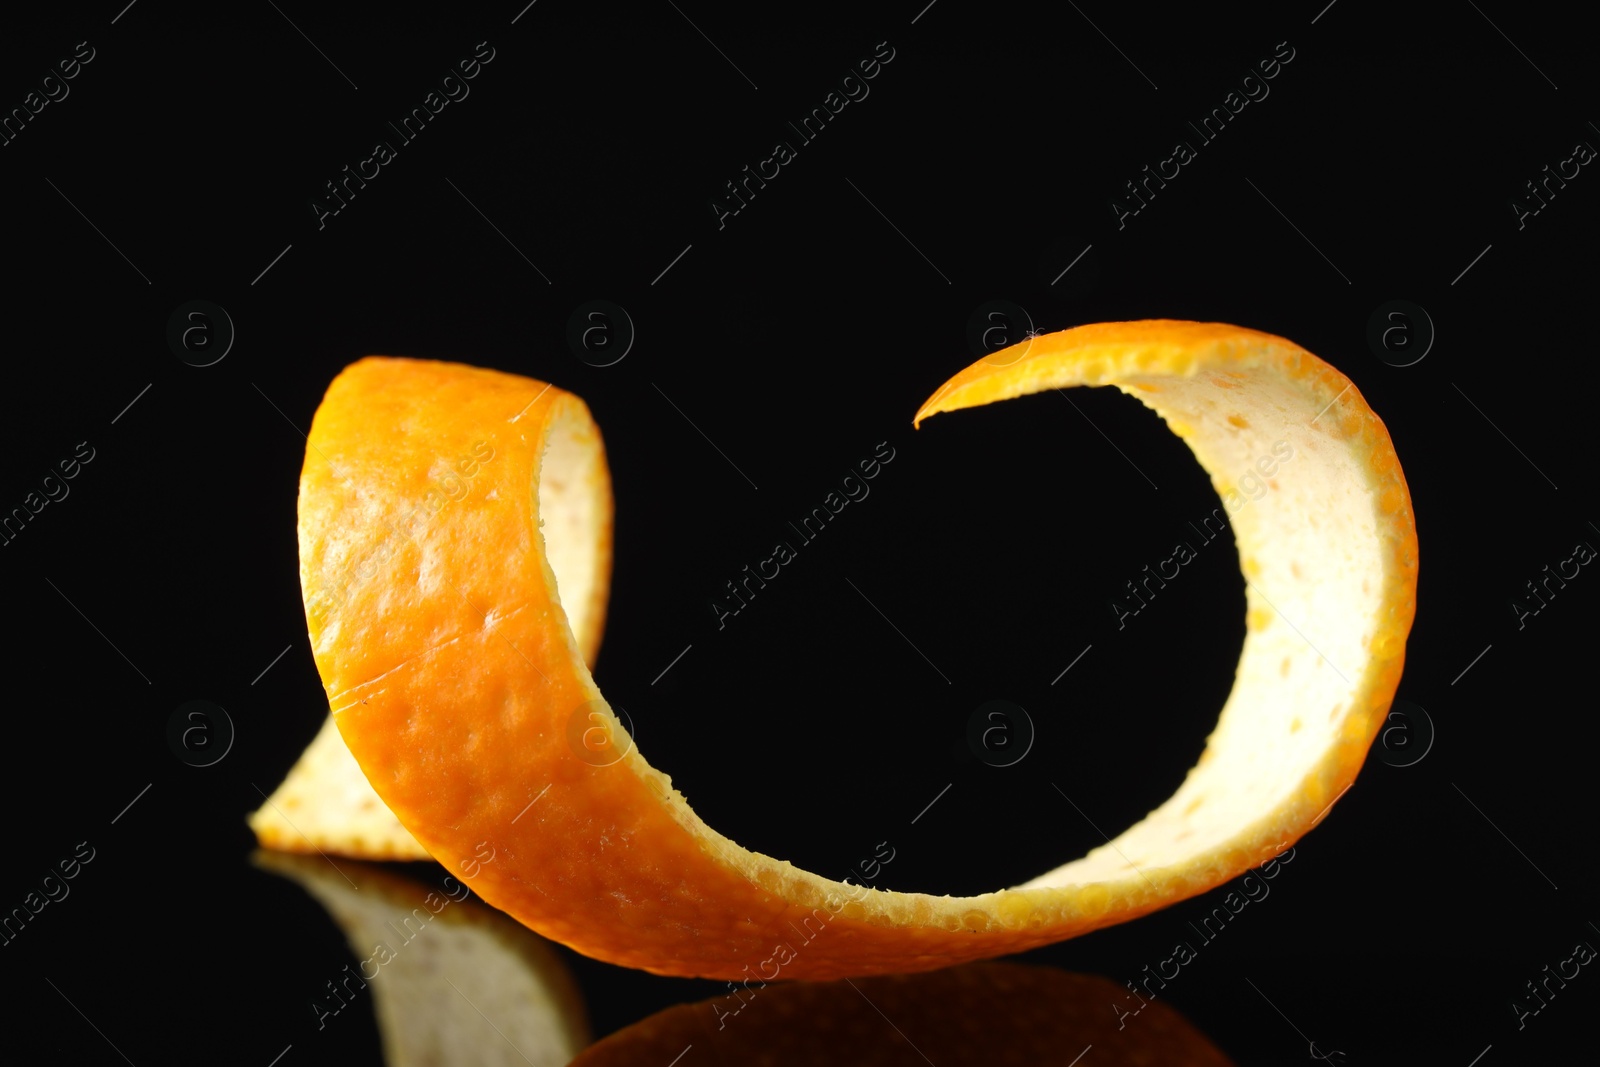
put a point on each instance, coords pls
(458, 685)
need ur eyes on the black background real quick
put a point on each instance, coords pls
(796, 338)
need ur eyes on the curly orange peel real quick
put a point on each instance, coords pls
(457, 673)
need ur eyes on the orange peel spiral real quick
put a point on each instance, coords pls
(456, 671)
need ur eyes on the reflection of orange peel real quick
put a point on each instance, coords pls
(453, 982)
(453, 674)
(979, 1015)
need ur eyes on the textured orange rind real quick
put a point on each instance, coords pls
(456, 680)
